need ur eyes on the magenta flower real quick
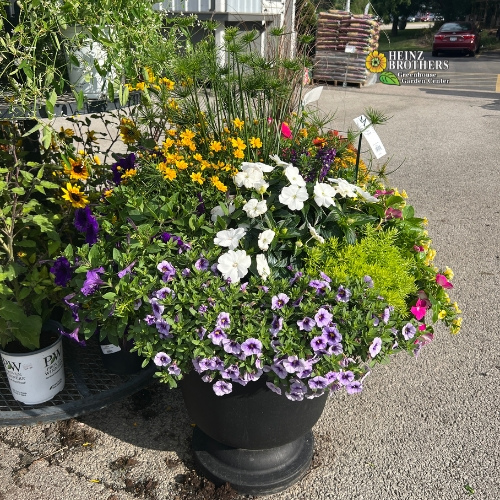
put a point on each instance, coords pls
(393, 213)
(285, 131)
(443, 281)
(419, 309)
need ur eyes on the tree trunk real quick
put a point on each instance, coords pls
(394, 30)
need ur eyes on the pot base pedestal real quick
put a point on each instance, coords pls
(253, 472)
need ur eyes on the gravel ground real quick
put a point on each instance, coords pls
(423, 429)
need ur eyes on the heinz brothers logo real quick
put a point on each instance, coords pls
(405, 67)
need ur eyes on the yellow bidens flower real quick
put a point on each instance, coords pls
(457, 309)
(196, 177)
(376, 62)
(74, 196)
(218, 184)
(455, 325)
(238, 123)
(255, 142)
(215, 146)
(442, 314)
(238, 153)
(448, 273)
(128, 131)
(97, 160)
(168, 83)
(238, 143)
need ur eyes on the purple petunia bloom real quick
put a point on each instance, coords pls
(167, 269)
(200, 209)
(323, 317)
(251, 347)
(232, 372)
(73, 336)
(346, 377)
(162, 293)
(296, 302)
(173, 369)
(279, 301)
(202, 309)
(332, 377)
(306, 324)
(376, 321)
(74, 308)
(386, 315)
(276, 324)
(61, 269)
(202, 264)
(231, 346)
(321, 286)
(368, 280)
(162, 359)
(319, 344)
(408, 331)
(217, 336)
(163, 329)
(186, 272)
(278, 368)
(297, 276)
(121, 167)
(86, 223)
(126, 270)
(274, 388)
(331, 334)
(157, 308)
(92, 281)
(375, 346)
(343, 294)
(325, 277)
(353, 387)
(206, 364)
(223, 320)
(293, 364)
(335, 349)
(150, 319)
(201, 332)
(222, 387)
(318, 383)
(92, 231)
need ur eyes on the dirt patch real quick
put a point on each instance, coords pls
(191, 486)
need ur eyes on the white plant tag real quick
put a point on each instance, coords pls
(365, 126)
(110, 349)
(312, 96)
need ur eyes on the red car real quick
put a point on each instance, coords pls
(457, 36)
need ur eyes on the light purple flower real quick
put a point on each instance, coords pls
(217, 336)
(222, 387)
(343, 294)
(274, 388)
(320, 286)
(157, 308)
(201, 332)
(408, 331)
(206, 364)
(126, 270)
(243, 287)
(386, 315)
(202, 309)
(297, 276)
(162, 359)
(223, 320)
(296, 302)
(231, 346)
(295, 365)
(331, 334)
(61, 269)
(279, 301)
(162, 293)
(346, 377)
(353, 387)
(375, 346)
(92, 281)
(276, 325)
(186, 272)
(278, 368)
(167, 269)
(251, 346)
(323, 317)
(163, 329)
(74, 308)
(306, 324)
(319, 344)
(202, 264)
(173, 369)
(332, 377)
(73, 336)
(368, 280)
(376, 321)
(150, 319)
(325, 277)
(318, 383)
(335, 349)
(231, 372)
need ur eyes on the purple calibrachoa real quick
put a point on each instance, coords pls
(221, 387)
(306, 324)
(61, 269)
(375, 346)
(251, 347)
(323, 317)
(162, 359)
(279, 301)
(408, 331)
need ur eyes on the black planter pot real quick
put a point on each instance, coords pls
(118, 359)
(259, 442)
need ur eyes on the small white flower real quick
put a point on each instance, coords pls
(293, 175)
(261, 166)
(261, 187)
(279, 161)
(366, 196)
(229, 238)
(218, 212)
(315, 234)
(324, 194)
(293, 197)
(250, 177)
(265, 239)
(234, 265)
(344, 188)
(262, 266)
(254, 208)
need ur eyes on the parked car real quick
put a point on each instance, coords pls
(411, 19)
(458, 36)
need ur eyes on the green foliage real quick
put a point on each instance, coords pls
(375, 255)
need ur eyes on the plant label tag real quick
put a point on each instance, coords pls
(351, 49)
(365, 126)
(110, 349)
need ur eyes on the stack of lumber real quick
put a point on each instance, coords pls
(340, 29)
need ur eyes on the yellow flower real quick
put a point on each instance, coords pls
(376, 62)
(187, 134)
(442, 314)
(169, 173)
(108, 193)
(404, 194)
(129, 131)
(97, 160)
(303, 132)
(255, 142)
(196, 177)
(74, 196)
(215, 146)
(128, 174)
(140, 86)
(78, 170)
(168, 83)
(21, 254)
(455, 325)
(425, 221)
(238, 143)
(66, 133)
(181, 164)
(167, 143)
(448, 273)
(91, 136)
(238, 153)
(457, 309)
(238, 123)
(198, 157)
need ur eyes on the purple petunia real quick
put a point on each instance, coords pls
(205, 364)
(279, 301)
(323, 317)
(223, 320)
(297, 276)
(332, 334)
(74, 308)
(173, 369)
(232, 372)
(251, 347)
(221, 387)
(335, 349)
(163, 329)
(126, 270)
(346, 377)
(202, 264)
(408, 331)
(343, 294)
(92, 281)
(368, 280)
(217, 336)
(162, 293)
(274, 388)
(167, 269)
(86, 223)
(375, 346)
(162, 359)
(318, 383)
(73, 336)
(294, 365)
(157, 308)
(202, 309)
(386, 315)
(320, 286)
(279, 369)
(61, 269)
(319, 344)
(276, 324)
(306, 324)
(231, 346)
(353, 387)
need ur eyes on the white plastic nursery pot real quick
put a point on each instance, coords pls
(85, 77)
(37, 376)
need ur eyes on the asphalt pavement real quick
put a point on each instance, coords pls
(422, 429)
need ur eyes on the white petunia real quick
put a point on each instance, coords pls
(324, 194)
(234, 265)
(254, 208)
(344, 188)
(279, 161)
(293, 197)
(261, 187)
(218, 212)
(265, 239)
(366, 196)
(262, 266)
(229, 238)
(261, 166)
(293, 175)
(315, 234)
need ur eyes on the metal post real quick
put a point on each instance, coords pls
(357, 160)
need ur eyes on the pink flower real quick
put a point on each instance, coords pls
(393, 213)
(418, 248)
(422, 327)
(418, 312)
(441, 280)
(285, 130)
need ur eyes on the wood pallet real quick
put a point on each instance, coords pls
(338, 83)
